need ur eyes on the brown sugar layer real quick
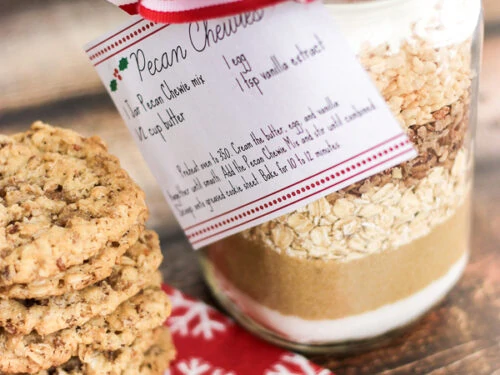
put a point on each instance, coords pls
(317, 289)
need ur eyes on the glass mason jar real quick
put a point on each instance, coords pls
(354, 267)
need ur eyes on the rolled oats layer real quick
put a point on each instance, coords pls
(347, 226)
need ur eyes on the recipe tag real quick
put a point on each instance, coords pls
(246, 118)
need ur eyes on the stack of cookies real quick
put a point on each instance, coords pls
(80, 290)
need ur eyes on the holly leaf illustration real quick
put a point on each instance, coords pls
(113, 85)
(123, 64)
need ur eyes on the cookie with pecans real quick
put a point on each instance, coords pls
(136, 270)
(32, 353)
(127, 359)
(150, 354)
(157, 358)
(76, 277)
(63, 198)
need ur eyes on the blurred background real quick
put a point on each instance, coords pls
(44, 74)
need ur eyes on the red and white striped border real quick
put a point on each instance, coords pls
(182, 11)
(341, 174)
(143, 28)
(116, 43)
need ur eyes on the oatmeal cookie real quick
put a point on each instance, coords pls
(32, 353)
(145, 357)
(63, 197)
(157, 358)
(76, 277)
(136, 270)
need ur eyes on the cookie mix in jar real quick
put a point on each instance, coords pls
(363, 262)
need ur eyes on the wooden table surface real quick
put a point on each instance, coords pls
(44, 75)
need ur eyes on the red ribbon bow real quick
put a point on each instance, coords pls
(182, 11)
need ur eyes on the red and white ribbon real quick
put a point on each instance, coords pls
(181, 11)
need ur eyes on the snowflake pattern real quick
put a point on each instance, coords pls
(196, 366)
(195, 320)
(290, 363)
(205, 337)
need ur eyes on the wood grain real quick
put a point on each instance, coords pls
(43, 58)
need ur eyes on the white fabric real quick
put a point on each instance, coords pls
(123, 2)
(182, 5)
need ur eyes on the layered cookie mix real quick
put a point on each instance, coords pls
(80, 290)
(374, 256)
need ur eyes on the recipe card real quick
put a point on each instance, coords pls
(245, 118)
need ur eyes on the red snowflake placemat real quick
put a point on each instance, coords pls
(210, 343)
